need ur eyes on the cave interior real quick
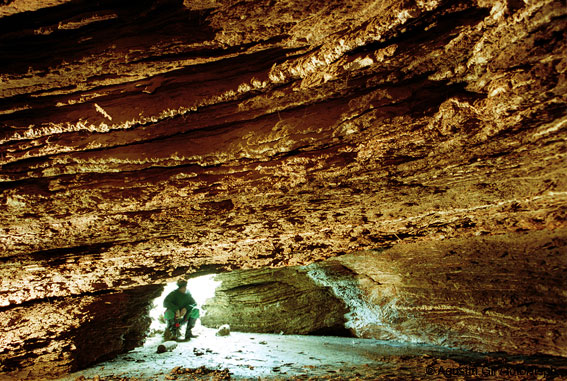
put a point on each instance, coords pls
(387, 172)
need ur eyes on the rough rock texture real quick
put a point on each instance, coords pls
(142, 140)
(452, 293)
(273, 301)
(447, 293)
(69, 333)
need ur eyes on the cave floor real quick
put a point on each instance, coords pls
(244, 356)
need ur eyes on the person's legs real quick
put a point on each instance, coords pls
(168, 333)
(172, 330)
(191, 317)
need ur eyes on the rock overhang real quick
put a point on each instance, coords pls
(142, 141)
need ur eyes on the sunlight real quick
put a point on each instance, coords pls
(201, 288)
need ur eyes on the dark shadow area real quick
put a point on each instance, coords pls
(339, 331)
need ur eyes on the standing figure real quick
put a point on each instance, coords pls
(181, 309)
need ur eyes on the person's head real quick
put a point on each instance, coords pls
(182, 285)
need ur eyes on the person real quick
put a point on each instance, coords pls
(181, 309)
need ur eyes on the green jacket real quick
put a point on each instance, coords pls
(177, 300)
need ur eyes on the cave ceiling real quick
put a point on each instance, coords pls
(143, 140)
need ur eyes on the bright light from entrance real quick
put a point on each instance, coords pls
(201, 288)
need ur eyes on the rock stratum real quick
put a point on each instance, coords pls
(141, 141)
(279, 301)
(446, 293)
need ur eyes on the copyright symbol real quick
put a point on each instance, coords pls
(430, 370)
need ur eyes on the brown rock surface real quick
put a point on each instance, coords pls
(69, 333)
(446, 293)
(143, 140)
(274, 301)
(452, 293)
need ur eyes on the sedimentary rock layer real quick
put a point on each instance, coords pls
(489, 294)
(144, 140)
(53, 336)
(274, 301)
(502, 293)
(175, 149)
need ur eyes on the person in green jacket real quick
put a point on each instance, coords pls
(181, 309)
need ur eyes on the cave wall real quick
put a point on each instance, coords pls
(282, 300)
(503, 293)
(142, 141)
(55, 336)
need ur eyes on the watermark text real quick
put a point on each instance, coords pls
(492, 371)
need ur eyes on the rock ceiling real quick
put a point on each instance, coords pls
(143, 140)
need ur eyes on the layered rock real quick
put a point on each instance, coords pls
(274, 301)
(501, 293)
(144, 140)
(488, 294)
(60, 335)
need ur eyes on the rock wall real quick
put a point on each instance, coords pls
(144, 140)
(274, 301)
(500, 293)
(61, 335)
(488, 294)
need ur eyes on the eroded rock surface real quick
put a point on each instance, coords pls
(53, 336)
(447, 293)
(143, 140)
(488, 294)
(275, 301)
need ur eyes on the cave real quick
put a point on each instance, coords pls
(384, 175)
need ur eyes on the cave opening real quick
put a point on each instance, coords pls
(201, 288)
(294, 300)
(379, 187)
(285, 323)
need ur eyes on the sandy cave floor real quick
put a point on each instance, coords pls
(243, 356)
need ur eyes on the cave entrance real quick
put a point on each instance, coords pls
(299, 302)
(201, 288)
(289, 300)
